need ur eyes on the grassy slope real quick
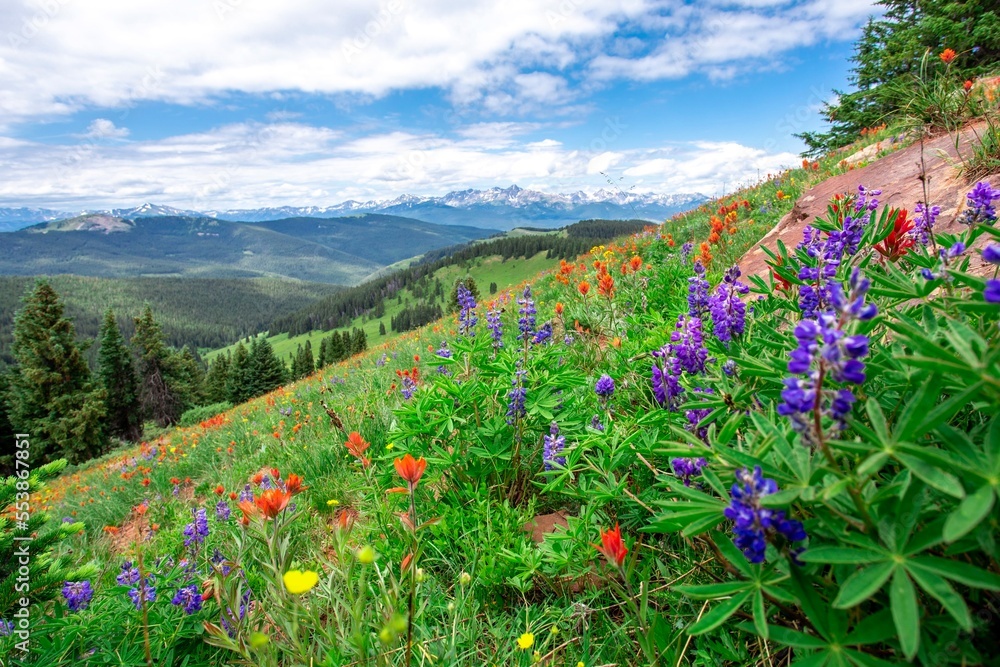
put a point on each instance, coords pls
(255, 435)
(484, 271)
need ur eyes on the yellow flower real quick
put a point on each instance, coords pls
(526, 641)
(366, 555)
(332, 502)
(580, 664)
(298, 582)
(554, 630)
(390, 445)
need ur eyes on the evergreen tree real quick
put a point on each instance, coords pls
(117, 375)
(160, 400)
(493, 288)
(51, 395)
(267, 373)
(336, 348)
(215, 379)
(323, 352)
(6, 429)
(359, 341)
(381, 328)
(186, 374)
(239, 377)
(308, 361)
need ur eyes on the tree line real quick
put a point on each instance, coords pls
(72, 412)
(339, 310)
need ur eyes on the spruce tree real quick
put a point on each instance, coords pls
(337, 352)
(186, 376)
(266, 370)
(215, 379)
(160, 401)
(6, 429)
(117, 375)
(51, 396)
(381, 328)
(321, 357)
(238, 380)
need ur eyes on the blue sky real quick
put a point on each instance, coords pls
(214, 104)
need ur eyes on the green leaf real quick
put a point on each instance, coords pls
(918, 405)
(872, 629)
(905, 613)
(969, 514)
(942, 591)
(841, 555)
(932, 475)
(714, 591)
(946, 410)
(877, 419)
(794, 638)
(760, 615)
(862, 585)
(718, 615)
(963, 573)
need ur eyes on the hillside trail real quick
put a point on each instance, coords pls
(897, 175)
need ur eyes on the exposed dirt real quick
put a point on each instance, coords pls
(897, 175)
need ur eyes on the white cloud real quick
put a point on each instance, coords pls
(61, 55)
(102, 128)
(250, 165)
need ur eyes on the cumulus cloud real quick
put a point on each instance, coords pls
(102, 128)
(252, 164)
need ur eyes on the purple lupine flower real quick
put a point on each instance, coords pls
(518, 392)
(196, 531)
(666, 378)
(729, 367)
(407, 387)
(923, 222)
(954, 251)
(604, 387)
(543, 334)
(686, 250)
(688, 345)
(443, 351)
(6, 627)
(219, 559)
(755, 526)
(496, 328)
(467, 315)
(78, 594)
(697, 291)
(729, 313)
(695, 416)
(991, 253)
(381, 361)
(595, 423)
(129, 574)
(928, 274)
(825, 349)
(866, 199)
(246, 495)
(979, 204)
(230, 630)
(687, 468)
(189, 597)
(145, 590)
(222, 511)
(992, 291)
(553, 446)
(527, 312)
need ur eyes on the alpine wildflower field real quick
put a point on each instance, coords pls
(642, 457)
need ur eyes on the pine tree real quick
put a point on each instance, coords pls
(381, 328)
(160, 400)
(267, 373)
(117, 376)
(51, 395)
(337, 352)
(6, 429)
(493, 288)
(321, 357)
(238, 380)
(215, 379)
(308, 362)
(186, 375)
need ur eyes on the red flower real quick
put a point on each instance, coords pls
(145, 481)
(272, 502)
(559, 308)
(612, 546)
(293, 484)
(583, 287)
(219, 490)
(232, 495)
(947, 56)
(410, 469)
(249, 510)
(357, 445)
(899, 241)
(175, 481)
(967, 85)
(275, 474)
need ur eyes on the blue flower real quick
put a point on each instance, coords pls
(728, 311)
(196, 531)
(604, 387)
(991, 253)
(980, 204)
(992, 291)
(467, 316)
(189, 597)
(754, 526)
(553, 445)
(129, 574)
(527, 312)
(697, 291)
(78, 594)
(143, 591)
(222, 511)
(496, 328)
(515, 404)
(687, 468)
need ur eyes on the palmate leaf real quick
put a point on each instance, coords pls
(942, 591)
(719, 614)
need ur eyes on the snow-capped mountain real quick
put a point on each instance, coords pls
(498, 208)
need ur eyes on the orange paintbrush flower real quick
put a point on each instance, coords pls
(249, 510)
(583, 287)
(410, 469)
(559, 308)
(293, 484)
(272, 502)
(612, 546)
(219, 490)
(947, 56)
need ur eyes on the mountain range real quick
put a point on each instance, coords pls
(494, 208)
